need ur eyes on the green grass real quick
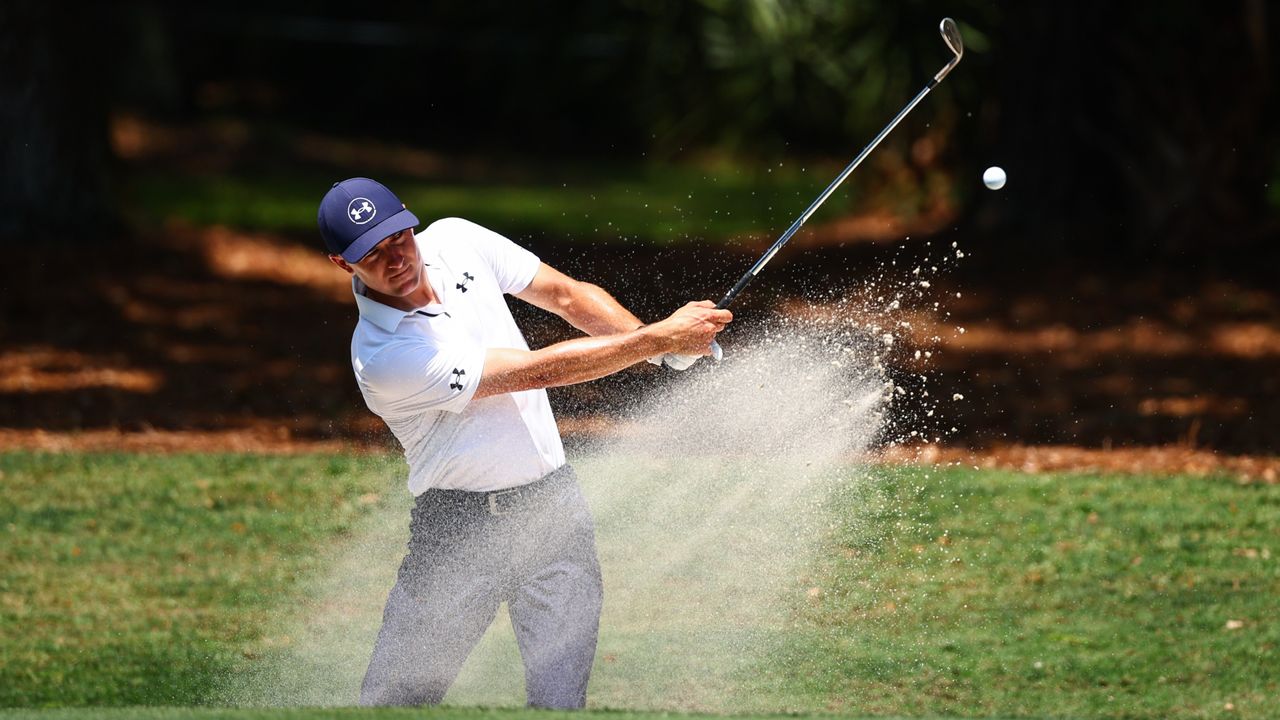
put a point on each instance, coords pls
(443, 713)
(138, 580)
(149, 580)
(648, 204)
(1061, 594)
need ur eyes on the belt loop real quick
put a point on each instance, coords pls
(494, 506)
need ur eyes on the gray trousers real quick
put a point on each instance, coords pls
(468, 553)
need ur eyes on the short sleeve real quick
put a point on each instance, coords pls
(512, 265)
(414, 376)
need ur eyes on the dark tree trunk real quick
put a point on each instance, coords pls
(56, 59)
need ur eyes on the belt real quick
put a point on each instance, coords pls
(502, 502)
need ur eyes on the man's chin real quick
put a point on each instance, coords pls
(412, 282)
(406, 286)
(394, 289)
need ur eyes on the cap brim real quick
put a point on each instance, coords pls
(356, 251)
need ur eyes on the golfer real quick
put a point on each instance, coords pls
(498, 515)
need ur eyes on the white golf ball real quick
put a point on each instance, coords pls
(993, 178)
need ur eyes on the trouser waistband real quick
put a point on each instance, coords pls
(501, 502)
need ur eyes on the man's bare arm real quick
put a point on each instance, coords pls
(587, 307)
(688, 331)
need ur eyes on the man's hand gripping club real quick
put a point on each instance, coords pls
(689, 331)
(683, 361)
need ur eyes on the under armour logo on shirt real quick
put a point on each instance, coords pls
(466, 278)
(457, 379)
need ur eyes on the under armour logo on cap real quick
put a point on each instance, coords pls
(357, 214)
(361, 211)
(457, 379)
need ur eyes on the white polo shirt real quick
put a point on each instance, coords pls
(418, 370)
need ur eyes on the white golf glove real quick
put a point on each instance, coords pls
(684, 362)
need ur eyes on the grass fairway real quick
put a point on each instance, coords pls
(445, 713)
(993, 593)
(147, 580)
(128, 579)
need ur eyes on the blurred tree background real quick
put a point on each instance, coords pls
(163, 162)
(1140, 131)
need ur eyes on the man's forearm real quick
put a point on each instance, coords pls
(587, 307)
(565, 363)
(594, 311)
(688, 331)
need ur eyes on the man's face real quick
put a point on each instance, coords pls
(393, 267)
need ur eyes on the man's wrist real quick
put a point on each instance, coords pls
(652, 344)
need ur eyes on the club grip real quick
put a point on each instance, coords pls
(733, 293)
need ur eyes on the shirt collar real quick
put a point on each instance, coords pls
(384, 316)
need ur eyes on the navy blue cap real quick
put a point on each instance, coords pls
(357, 214)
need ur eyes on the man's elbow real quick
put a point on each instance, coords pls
(571, 294)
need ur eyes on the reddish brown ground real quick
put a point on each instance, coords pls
(1047, 458)
(208, 338)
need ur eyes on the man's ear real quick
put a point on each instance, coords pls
(337, 260)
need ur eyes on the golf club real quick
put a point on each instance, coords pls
(951, 36)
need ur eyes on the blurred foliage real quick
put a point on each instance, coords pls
(578, 74)
(811, 73)
(658, 204)
(1142, 131)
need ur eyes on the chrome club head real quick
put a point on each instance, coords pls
(951, 36)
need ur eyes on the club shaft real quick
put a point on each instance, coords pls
(795, 226)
